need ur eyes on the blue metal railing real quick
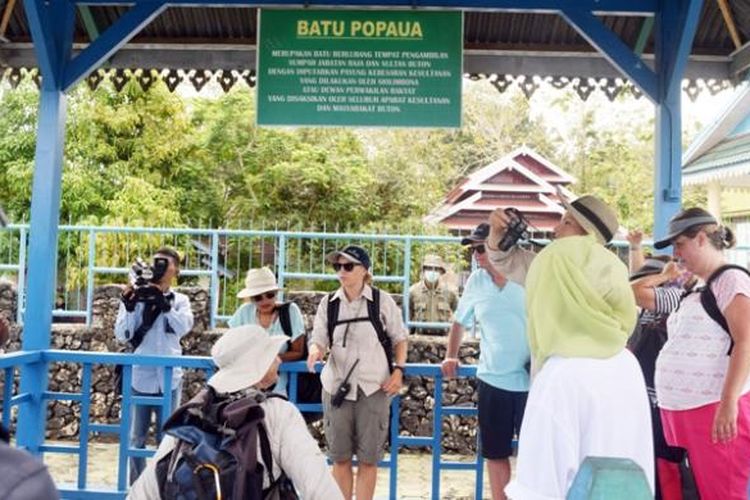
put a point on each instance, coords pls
(295, 256)
(14, 361)
(221, 256)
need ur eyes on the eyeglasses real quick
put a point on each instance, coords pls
(267, 295)
(348, 266)
(480, 249)
(431, 268)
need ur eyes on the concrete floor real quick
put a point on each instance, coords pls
(414, 474)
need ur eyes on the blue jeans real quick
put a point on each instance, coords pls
(141, 420)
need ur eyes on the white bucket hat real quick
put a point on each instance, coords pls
(258, 281)
(243, 356)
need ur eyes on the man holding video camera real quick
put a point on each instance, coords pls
(152, 319)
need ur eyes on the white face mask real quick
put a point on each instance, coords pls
(431, 276)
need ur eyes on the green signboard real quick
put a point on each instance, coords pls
(360, 68)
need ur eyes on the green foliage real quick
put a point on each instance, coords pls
(156, 159)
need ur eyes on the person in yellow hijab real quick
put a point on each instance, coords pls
(588, 396)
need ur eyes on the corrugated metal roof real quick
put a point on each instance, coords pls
(728, 159)
(519, 47)
(482, 30)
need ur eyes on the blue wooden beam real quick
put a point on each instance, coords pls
(675, 26)
(614, 50)
(680, 44)
(117, 35)
(45, 28)
(45, 214)
(625, 7)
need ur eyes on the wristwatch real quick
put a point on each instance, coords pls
(399, 367)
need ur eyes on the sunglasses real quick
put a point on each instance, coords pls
(346, 267)
(267, 295)
(480, 249)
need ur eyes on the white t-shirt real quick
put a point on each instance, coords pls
(580, 407)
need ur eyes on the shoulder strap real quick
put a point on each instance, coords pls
(284, 318)
(265, 451)
(708, 300)
(333, 316)
(373, 312)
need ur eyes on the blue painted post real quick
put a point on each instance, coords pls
(437, 435)
(83, 440)
(214, 286)
(45, 213)
(21, 305)
(90, 277)
(395, 433)
(281, 264)
(407, 279)
(675, 24)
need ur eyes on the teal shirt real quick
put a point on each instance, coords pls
(501, 314)
(246, 315)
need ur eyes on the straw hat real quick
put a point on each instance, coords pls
(595, 216)
(258, 281)
(243, 356)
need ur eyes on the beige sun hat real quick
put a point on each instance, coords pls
(432, 260)
(258, 281)
(243, 356)
(595, 216)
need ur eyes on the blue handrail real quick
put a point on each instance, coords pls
(11, 362)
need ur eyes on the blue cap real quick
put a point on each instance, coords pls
(352, 253)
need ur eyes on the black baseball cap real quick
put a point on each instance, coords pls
(478, 235)
(649, 267)
(352, 253)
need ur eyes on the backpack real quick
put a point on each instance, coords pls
(708, 300)
(373, 316)
(309, 388)
(216, 455)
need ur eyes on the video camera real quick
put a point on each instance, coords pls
(144, 278)
(517, 229)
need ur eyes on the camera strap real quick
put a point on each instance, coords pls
(150, 313)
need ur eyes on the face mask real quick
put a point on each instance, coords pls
(431, 276)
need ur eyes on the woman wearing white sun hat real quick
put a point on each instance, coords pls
(264, 310)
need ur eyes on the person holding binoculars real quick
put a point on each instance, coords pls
(363, 331)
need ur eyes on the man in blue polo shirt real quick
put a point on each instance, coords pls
(498, 305)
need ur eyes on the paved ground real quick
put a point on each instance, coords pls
(414, 474)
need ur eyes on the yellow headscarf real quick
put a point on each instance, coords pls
(579, 301)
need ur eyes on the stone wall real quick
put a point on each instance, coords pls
(63, 416)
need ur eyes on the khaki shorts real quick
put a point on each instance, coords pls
(357, 427)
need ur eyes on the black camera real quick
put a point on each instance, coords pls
(341, 392)
(517, 229)
(143, 277)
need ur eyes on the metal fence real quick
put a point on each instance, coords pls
(12, 364)
(218, 259)
(89, 256)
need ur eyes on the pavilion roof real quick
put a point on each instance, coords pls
(199, 43)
